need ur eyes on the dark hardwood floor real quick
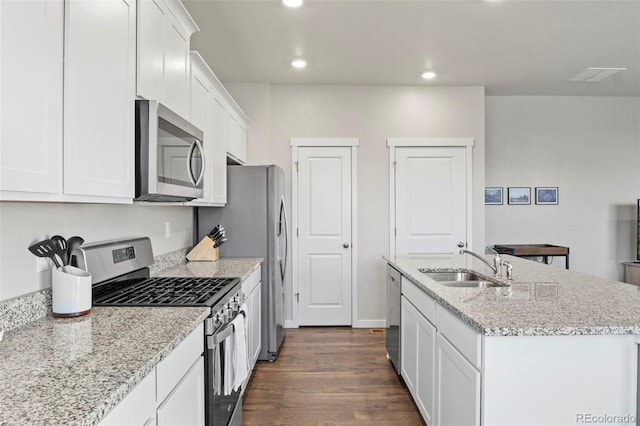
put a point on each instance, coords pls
(329, 376)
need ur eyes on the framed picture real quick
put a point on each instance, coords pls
(519, 195)
(493, 195)
(547, 195)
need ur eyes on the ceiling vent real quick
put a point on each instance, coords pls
(595, 74)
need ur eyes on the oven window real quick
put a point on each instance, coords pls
(174, 145)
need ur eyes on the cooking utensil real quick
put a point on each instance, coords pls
(61, 248)
(73, 243)
(45, 248)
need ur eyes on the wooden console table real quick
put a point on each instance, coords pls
(534, 250)
(632, 273)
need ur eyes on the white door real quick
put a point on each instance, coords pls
(324, 235)
(431, 200)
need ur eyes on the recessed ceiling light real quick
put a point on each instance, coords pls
(298, 63)
(292, 3)
(428, 75)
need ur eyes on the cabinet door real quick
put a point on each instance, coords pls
(425, 371)
(151, 23)
(176, 69)
(409, 344)
(217, 166)
(185, 404)
(256, 329)
(458, 387)
(99, 98)
(237, 139)
(31, 96)
(201, 96)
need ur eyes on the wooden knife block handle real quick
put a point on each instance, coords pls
(204, 251)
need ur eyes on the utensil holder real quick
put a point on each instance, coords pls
(204, 251)
(71, 292)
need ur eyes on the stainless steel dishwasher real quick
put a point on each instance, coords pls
(393, 317)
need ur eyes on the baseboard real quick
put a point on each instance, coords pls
(290, 324)
(370, 324)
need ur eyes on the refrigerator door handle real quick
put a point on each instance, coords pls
(283, 223)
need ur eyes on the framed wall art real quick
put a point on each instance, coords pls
(493, 195)
(519, 195)
(547, 195)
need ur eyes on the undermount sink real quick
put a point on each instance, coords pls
(459, 279)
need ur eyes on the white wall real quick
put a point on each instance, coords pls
(255, 101)
(589, 147)
(372, 114)
(23, 224)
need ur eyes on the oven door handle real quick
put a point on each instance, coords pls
(220, 336)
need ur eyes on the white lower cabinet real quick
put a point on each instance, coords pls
(418, 337)
(458, 387)
(444, 384)
(185, 404)
(252, 289)
(171, 394)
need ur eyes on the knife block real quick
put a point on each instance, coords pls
(204, 251)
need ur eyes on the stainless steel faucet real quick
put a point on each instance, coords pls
(497, 260)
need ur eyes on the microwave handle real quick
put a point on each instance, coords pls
(204, 165)
(196, 144)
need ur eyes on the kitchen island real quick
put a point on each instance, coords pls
(551, 347)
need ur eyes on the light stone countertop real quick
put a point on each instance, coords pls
(233, 267)
(74, 371)
(543, 300)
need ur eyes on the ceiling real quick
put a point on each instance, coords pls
(512, 47)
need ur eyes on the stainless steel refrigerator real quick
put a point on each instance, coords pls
(255, 221)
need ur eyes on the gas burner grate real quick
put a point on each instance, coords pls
(163, 291)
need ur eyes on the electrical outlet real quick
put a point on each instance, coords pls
(167, 229)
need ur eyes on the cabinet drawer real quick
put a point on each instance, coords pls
(171, 369)
(421, 300)
(463, 337)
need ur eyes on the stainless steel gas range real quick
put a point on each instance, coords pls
(120, 275)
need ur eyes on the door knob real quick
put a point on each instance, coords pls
(461, 244)
(345, 245)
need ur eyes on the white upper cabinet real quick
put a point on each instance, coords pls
(237, 141)
(68, 86)
(31, 49)
(214, 111)
(164, 30)
(99, 94)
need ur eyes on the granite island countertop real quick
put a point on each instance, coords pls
(74, 371)
(542, 300)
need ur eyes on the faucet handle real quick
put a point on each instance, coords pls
(509, 267)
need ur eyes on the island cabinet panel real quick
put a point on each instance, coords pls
(551, 380)
(418, 352)
(458, 387)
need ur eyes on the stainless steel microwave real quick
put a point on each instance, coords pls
(170, 161)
